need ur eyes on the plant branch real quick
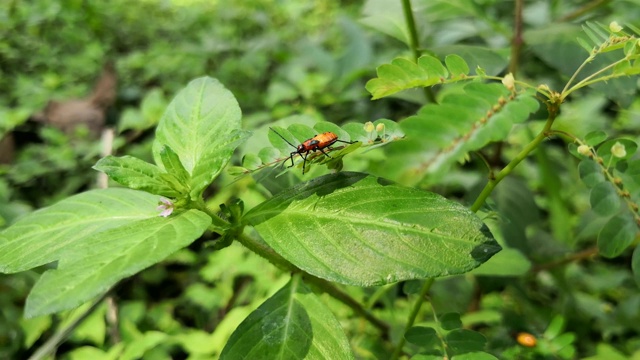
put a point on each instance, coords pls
(60, 336)
(583, 10)
(516, 41)
(584, 254)
(491, 184)
(269, 254)
(412, 317)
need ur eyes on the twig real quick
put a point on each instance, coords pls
(581, 255)
(412, 317)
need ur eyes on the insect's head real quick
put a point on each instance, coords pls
(301, 148)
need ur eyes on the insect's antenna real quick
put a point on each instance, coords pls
(282, 137)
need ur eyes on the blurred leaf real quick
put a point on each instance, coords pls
(635, 264)
(397, 232)
(604, 199)
(34, 328)
(555, 327)
(463, 341)
(450, 321)
(422, 336)
(292, 324)
(617, 234)
(202, 125)
(139, 346)
(99, 261)
(595, 137)
(475, 355)
(590, 173)
(508, 262)
(136, 174)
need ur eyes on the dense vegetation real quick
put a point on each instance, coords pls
(482, 201)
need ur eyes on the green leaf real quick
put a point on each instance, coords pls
(97, 263)
(590, 173)
(404, 74)
(605, 152)
(475, 355)
(422, 336)
(635, 264)
(173, 166)
(292, 324)
(595, 137)
(202, 126)
(362, 230)
(47, 234)
(483, 60)
(508, 262)
(136, 174)
(463, 341)
(604, 199)
(456, 65)
(450, 321)
(555, 327)
(617, 234)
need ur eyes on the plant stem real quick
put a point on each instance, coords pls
(491, 184)
(584, 254)
(60, 335)
(266, 252)
(412, 317)
(516, 41)
(413, 41)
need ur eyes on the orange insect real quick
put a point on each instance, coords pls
(526, 339)
(318, 142)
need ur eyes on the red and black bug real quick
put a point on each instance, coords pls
(318, 142)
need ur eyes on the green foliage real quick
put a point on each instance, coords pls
(335, 251)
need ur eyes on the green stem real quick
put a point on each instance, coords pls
(413, 41)
(60, 336)
(412, 317)
(266, 252)
(491, 184)
(218, 223)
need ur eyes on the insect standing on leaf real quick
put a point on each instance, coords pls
(318, 142)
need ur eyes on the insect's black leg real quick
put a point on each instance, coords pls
(304, 162)
(291, 155)
(347, 142)
(325, 154)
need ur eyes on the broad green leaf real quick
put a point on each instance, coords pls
(617, 235)
(590, 173)
(422, 336)
(362, 230)
(463, 341)
(136, 174)
(45, 235)
(635, 264)
(100, 261)
(202, 126)
(404, 74)
(292, 324)
(604, 199)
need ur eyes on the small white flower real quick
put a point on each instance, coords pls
(165, 206)
(618, 150)
(584, 150)
(509, 81)
(615, 27)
